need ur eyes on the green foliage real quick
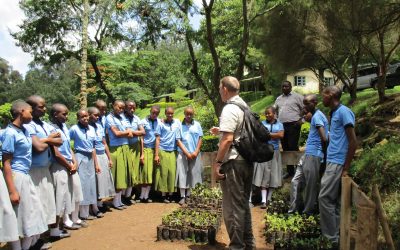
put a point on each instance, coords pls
(210, 143)
(5, 114)
(305, 129)
(391, 204)
(251, 96)
(260, 105)
(205, 115)
(379, 165)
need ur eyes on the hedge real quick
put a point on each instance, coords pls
(210, 143)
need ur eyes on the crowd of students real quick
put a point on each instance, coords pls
(57, 178)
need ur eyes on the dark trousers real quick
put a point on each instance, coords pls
(290, 141)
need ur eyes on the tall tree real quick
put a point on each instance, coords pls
(85, 24)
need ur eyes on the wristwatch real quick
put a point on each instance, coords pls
(219, 162)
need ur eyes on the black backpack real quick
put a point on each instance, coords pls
(252, 145)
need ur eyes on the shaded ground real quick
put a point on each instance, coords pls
(135, 228)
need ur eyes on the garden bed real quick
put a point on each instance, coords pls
(198, 221)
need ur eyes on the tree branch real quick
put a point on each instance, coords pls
(245, 41)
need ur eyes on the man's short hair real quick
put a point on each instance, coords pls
(34, 100)
(231, 84)
(287, 82)
(78, 114)
(100, 102)
(17, 107)
(311, 97)
(92, 110)
(272, 108)
(56, 107)
(335, 91)
(155, 107)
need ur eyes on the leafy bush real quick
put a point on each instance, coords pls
(305, 129)
(379, 165)
(204, 113)
(5, 114)
(391, 204)
(210, 143)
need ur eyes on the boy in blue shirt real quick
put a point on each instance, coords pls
(165, 154)
(340, 153)
(17, 159)
(150, 125)
(307, 174)
(188, 164)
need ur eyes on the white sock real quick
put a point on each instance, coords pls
(270, 191)
(75, 213)
(115, 200)
(95, 209)
(188, 192)
(251, 192)
(163, 194)
(147, 192)
(26, 242)
(182, 191)
(263, 195)
(143, 192)
(15, 245)
(67, 221)
(84, 211)
(99, 204)
(128, 192)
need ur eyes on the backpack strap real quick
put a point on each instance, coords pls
(241, 106)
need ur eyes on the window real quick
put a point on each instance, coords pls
(328, 81)
(299, 81)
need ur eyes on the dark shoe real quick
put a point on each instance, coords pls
(182, 201)
(118, 208)
(63, 234)
(40, 244)
(263, 205)
(149, 201)
(171, 200)
(90, 217)
(99, 215)
(82, 224)
(166, 200)
(128, 201)
(73, 227)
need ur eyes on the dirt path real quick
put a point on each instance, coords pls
(135, 228)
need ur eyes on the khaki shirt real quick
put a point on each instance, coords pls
(231, 120)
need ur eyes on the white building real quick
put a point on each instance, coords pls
(306, 81)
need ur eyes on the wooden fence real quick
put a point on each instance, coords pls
(365, 229)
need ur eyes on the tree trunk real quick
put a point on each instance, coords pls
(85, 24)
(321, 82)
(382, 82)
(245, 41)
(99, 80)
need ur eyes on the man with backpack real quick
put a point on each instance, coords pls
(232, 169)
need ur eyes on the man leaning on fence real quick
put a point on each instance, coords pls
(340, 153)
(234, 172)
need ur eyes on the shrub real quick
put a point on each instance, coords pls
(379, 165)
(210, 143)
(205, 115)
(391, 204)
(5, 114)
(305, 129)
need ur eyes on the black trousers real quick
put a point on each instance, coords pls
(290, 141)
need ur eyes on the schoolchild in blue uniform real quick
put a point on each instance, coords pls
(188, 164)
(105, 181)
(340, 153)
(102, 107)
(17, 159)
(84, 137)
(132, 122)
(165, 154)
(268, 175)
(119, 136)
(306, 177)
(68, 190)
(150, 124)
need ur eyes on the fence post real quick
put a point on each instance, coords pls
(367, 228)
(345, 214)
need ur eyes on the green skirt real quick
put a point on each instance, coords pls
(134, 152)
(165, 173)
(146, 170)
(122, 166)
